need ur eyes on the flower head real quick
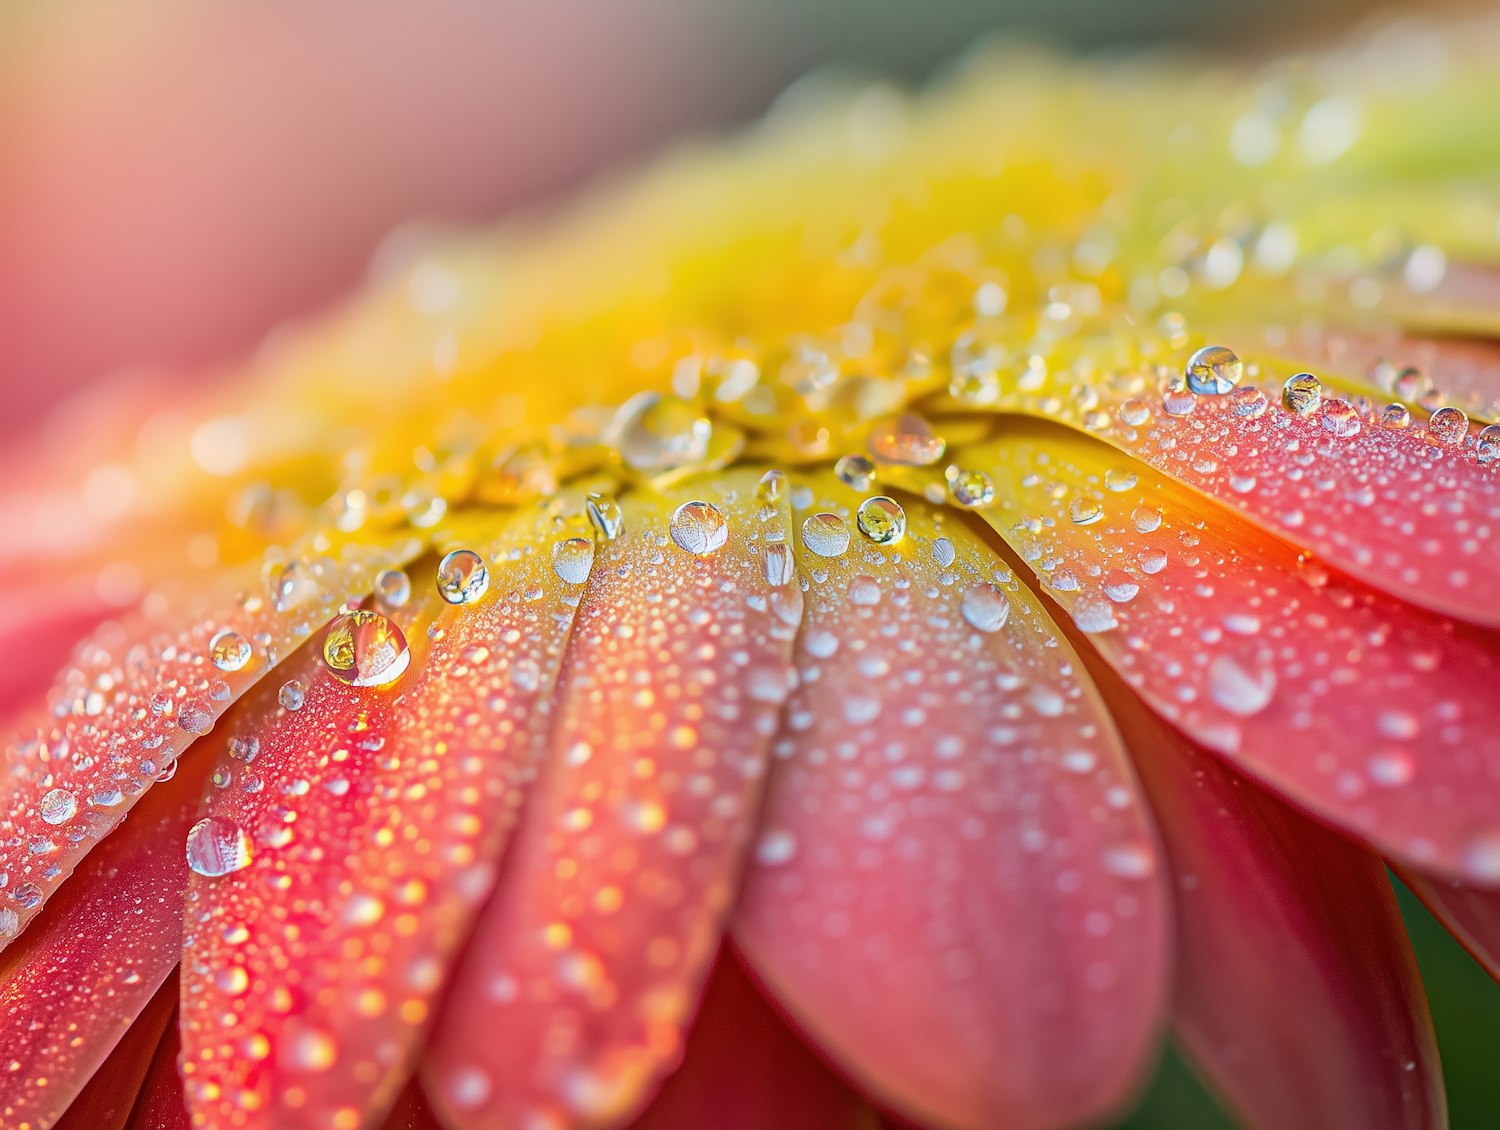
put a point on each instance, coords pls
(1015, 560)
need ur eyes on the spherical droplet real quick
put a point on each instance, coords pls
(216, 846)
(1179, 402)
(907, 440)
(393, 588)
(699, 528)
(1487, 444)
(605, 515)
(58, 806)
(195, 716)
(1302, 394)
(1213, 371)
(1248, 401)
(1340, 418)
(1119, 479)
(462, 577)
(1085, 511)
(1395, 416)
(973, 490)
(985, 607)
(573, 559)
(1094, 613)
(229, 650)
(857, 471)
(293, 694)
(1135, 413)
(1448, 427)
(1240, 689)
(880, 519)
(826, 534)
(364, 649)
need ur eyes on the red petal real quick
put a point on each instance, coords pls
(1376, 715)
(138, 694)
(1297, 991)
(587, 965)
(161, 1105)
(376, 817)
(106, 1102)
(956, 890)
(744, 1069)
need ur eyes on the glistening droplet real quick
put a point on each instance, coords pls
(699, 528)
(364, 649)
(462, 577)
(1213, 371)
(216, 847)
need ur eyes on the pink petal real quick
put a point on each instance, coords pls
(375, 819)
(1471, 914)
(586, 967)
(106, 1102)
(138, 694)
(1375, 715)
(744, 1069)
(1297, 991)
(956, 889)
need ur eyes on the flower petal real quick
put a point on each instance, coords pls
(138, 693)
(1471, 914)
(161, 1105)
(586, 967)
(1373, 714)
(744, 1069)
(377, 817)
(956, 888)
(1297, 991)
(106, 1101)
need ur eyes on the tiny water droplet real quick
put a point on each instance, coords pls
(880, 519)
(771, 487)
(826, 534)
(1213, 371)
(943, 553)
(216, 847)
(985, 607)
(462, 577)
(229, 650)
(1302, 394)
(1248, 401)
(364, 649)
(699, 528)
(1085, 511)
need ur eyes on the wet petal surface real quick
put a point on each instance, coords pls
(1368, 711)
(609, 909)
(956, 890)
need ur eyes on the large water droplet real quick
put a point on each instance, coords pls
(1093, 612)
(573, 559)
(229, 650)
(880, 519)
(907, 440)
(699, 528)
(216, 847)
(826, 534)
(1487, 444)
(462, 577)
(1213, 371)
(364, 649)
(660, 433)
(857, 471)
(985, 607)
(195, 716)
(1302, 394)
(973, 490)
(58, 806)
(1448, 427)
(1340, 418)
(1240, 689)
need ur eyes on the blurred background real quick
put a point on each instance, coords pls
(178, 177)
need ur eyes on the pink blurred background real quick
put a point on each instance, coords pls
(177, 177)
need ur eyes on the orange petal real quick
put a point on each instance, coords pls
(139, 692)
(956, 889)
(586, 967)
(1376, 715)
(744, 1069)
(375, 819)
(106, 1102)
(1297, 991)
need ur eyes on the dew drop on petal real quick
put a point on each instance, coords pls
(943, 553)
(1487, 444)
(1242, 690)
(1340, 418)
(1135, 413)
(1094, 613)
(973, 490)
(826, 534)
(393, 588)
(1085, 511)
(58, 806)
(364, 649)
(1302, 394)
(229, 650)
(907, 440)
(573, 559)
(1179, 402)
(985, 607)
(1119, 480)
(195, 716)
(699, 528)
(856, 471)
(216, 847)
(604, 515)
(1213, 371)
(293, 694)
(1448, 427)
(1248, 402)
(661, 433)
(880, 519)
(1395, 416)
(462, 577)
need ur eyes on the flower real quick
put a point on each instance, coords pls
(1018, 559)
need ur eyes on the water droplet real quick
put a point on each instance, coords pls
(880, 519)
(1340, 418)
(216, 847)
(229, 650)
(1094, 613)
(1242, 690)
(1302, 394)
(771, 487)
(778, 564)
(1248, 401)
(1178, 402)
(1119, 480)
(58, 806)
(1448, 427)
(364, 649)
(573, 559)
(393, 588)
(985, 607)
(973, 490)
(943, 553)
(293, 694)
(1213, 371)
(907, 440)
(857, 471)
(699, 528)
(1120, 586)
(1135, 413)
(660, 433)
(864, 591)
(826, 534)
(1085, 511)
(462, 577)
(1395, 416)
(1487, 444)
(604, 515)
(195, 716)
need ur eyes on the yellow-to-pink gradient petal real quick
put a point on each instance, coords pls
(375, 818)
(584, 971)
(956, 889)
(1296, 989)
(1376, 715)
